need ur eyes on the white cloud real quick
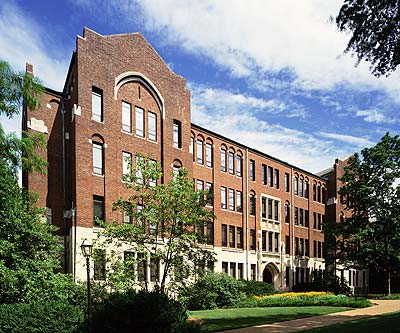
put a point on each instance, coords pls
(226, 100)
(374, 116)
(296, 147)
(21, 41)
(349, 139)
(251, 38)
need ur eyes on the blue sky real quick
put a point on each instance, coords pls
(270, 74)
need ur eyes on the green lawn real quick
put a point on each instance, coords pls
(387, 323)
(224, 319)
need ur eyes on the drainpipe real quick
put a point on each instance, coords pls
(63, 184)
(247, 214)
(293, 217)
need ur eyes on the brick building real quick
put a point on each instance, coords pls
(120, 99)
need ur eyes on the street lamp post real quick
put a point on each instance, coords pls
(86, 248)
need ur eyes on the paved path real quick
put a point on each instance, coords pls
(380, 307)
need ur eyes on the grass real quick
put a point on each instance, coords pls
(379, 324)
(224, 319)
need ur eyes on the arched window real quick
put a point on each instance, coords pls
(231, 161)
(223, 158)
(176, 166)
(200, 150)
(287, 212)
(252, 203)
(239, 163)
(209, 153)
(98, 154)
(192, 145)
(301, 182)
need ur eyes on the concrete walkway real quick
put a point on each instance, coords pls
(379, 307)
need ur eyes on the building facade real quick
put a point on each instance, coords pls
(121, 99)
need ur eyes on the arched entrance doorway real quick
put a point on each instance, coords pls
(271, 275)
(267, 275)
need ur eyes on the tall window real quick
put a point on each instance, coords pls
(209, 154)
(126, 164)
(301, 187)
(231, 199)
(139, 166)
(223, 197)
(252, 204)
(210, 194)
(287, 182)
(99, 269)
(276, 242)
(210, 233)
(287, 244)
(139, 121)
(314, 191)
(264, 174)
(223, 160)
(154, 268)
(240, 271)
(231, 162)
(296, 215)
(301, 217)
(97, 158)
(264, 240)
(264, 207)
(97, 104)
(200, 185)
(270, 175)
(126, 117)
(276, 210)
(192, 146)
(239, 201)
(270, 240)
(252, 239)
(240, 238)
(306, 218)
(127, 214)
(238, 165)
(232, 236)
(306, 189)
(276, 178)
(199, 152)
(296, 185)
(252, 170)
(152, 126)
(178, 134)
(224, 235)
(270, 209)
(98, 209)
(287, 213)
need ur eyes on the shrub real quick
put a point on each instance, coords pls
(139, 312)
(312, 299)
(256, 288)
(212, 290)
(43, 317)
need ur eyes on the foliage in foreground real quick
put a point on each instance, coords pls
(166, 226)
(43, 317)
(141, 311)
(211, 291)
(305, 300)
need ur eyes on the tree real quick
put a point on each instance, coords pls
(371, 191)
(166, 229)
(29, 251)
(374, 26)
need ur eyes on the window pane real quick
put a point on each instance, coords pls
(231, 159)
(239, 201)
(210, 194)
(209, 155)
(96, 106)
(231, 199)
(223, 197)
(200, 152)
(223, 160)
(97, 158)
(238, 166)
(126, 164)
(98, 209)
(152, 123)
(126, 117)
(139, 122)
(177, 134)
(139, 166)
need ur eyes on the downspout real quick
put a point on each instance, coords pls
(63, 184)
(247, 214)
(293, 217)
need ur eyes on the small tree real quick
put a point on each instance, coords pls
(166, 229)
(371, 191)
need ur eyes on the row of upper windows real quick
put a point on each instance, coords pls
(302, 217)
(140, 116)
(228, 199)
(301, 189)
(270, 243)
(235, 236)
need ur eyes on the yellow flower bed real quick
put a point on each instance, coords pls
(292, 294)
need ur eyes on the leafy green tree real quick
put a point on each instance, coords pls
(29, 250)
(371, 191)
(374, 27)
(166, 229)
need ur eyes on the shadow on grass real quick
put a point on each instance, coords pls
(387, 323)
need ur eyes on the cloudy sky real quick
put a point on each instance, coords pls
(270, 74)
